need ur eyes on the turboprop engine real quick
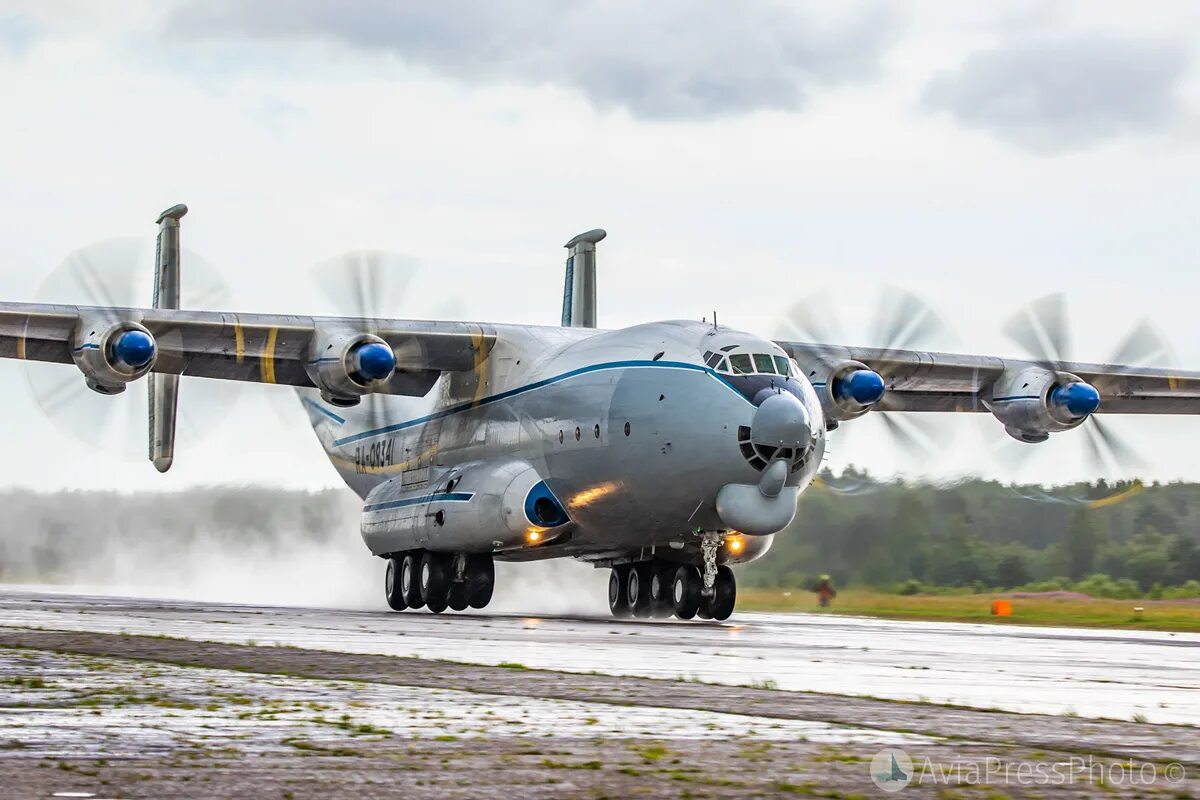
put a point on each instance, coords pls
(1034, 402)
(345, 366)
(848, 389)
(111, 355)
(477, 507)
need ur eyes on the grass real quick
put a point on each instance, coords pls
(1161, 615)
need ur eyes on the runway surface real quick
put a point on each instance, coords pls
(1102, 674)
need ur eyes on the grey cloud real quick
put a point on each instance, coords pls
(17, 34)
(1053, 95)
(669, 59)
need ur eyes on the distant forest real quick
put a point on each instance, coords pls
(1124, 540)
(1114, 540)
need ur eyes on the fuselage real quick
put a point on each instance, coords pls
(635, 430)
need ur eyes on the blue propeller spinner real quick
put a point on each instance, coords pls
(863, 386)
(373, 361)
(1079, 398)
(134, 348)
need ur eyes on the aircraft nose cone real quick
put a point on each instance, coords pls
(781, 421)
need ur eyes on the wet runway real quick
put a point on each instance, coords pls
(1092, 673)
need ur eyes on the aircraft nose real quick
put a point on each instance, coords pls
(781, 421)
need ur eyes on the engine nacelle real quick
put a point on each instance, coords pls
(1034, 402)
(848, 389)
(479, 507)
(111, 355)
(345, 366)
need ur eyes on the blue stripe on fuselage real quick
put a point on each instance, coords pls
(441, 497)
(537, 385)
(320, 409)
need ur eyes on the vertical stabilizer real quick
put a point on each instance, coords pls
(163, 388)
(579, 290)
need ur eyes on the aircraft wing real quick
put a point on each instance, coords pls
(259, 348)
(948, 382)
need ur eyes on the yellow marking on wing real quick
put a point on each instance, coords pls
(21, 340)
(239, 341)
(477, 341)
(1172, 382)
(268, 356)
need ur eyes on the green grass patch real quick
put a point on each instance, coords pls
(1090, 612)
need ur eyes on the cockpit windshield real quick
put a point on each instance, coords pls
(749, 364)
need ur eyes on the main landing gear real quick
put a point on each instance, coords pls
(438, 581)
(658, 588)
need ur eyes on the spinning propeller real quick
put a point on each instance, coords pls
(1041, 329)
(120, 273)
(901, 321)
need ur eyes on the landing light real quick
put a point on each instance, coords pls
(534, 536)
(735, 544)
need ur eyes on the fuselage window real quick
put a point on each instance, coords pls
(763, 363)
(782, 366)
(741, 364)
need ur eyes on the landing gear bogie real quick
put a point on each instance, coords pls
(658, 588)
(437, 581)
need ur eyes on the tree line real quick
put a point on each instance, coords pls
(1104, 539)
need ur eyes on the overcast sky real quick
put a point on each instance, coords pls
(741, 156)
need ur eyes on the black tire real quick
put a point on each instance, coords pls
(481, 580)
(638, 589)
(685, 591)
(724, 594)
(618, 591)
(435, 581)
(391, 585)
(661, 604)
(410, 579)
(705, 609)
(460, 596)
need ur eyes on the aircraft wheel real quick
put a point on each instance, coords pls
(435, 581)
(410, 579)
(459, 597)
(391, 585)
(481, 578)
(618, 591)
(638, 589)
(661, 603)
(724, 594)
(685, 591)
(705, 609)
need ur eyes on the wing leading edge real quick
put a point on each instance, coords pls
(948, 382)
(258, 348)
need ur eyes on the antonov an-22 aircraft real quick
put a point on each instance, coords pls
(665, 451)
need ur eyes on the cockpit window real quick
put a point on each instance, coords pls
(712, 359)
(741, 364)
(782, 366)
(763, 363)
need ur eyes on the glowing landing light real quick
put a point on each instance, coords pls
(735, 544)
(533, 536)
